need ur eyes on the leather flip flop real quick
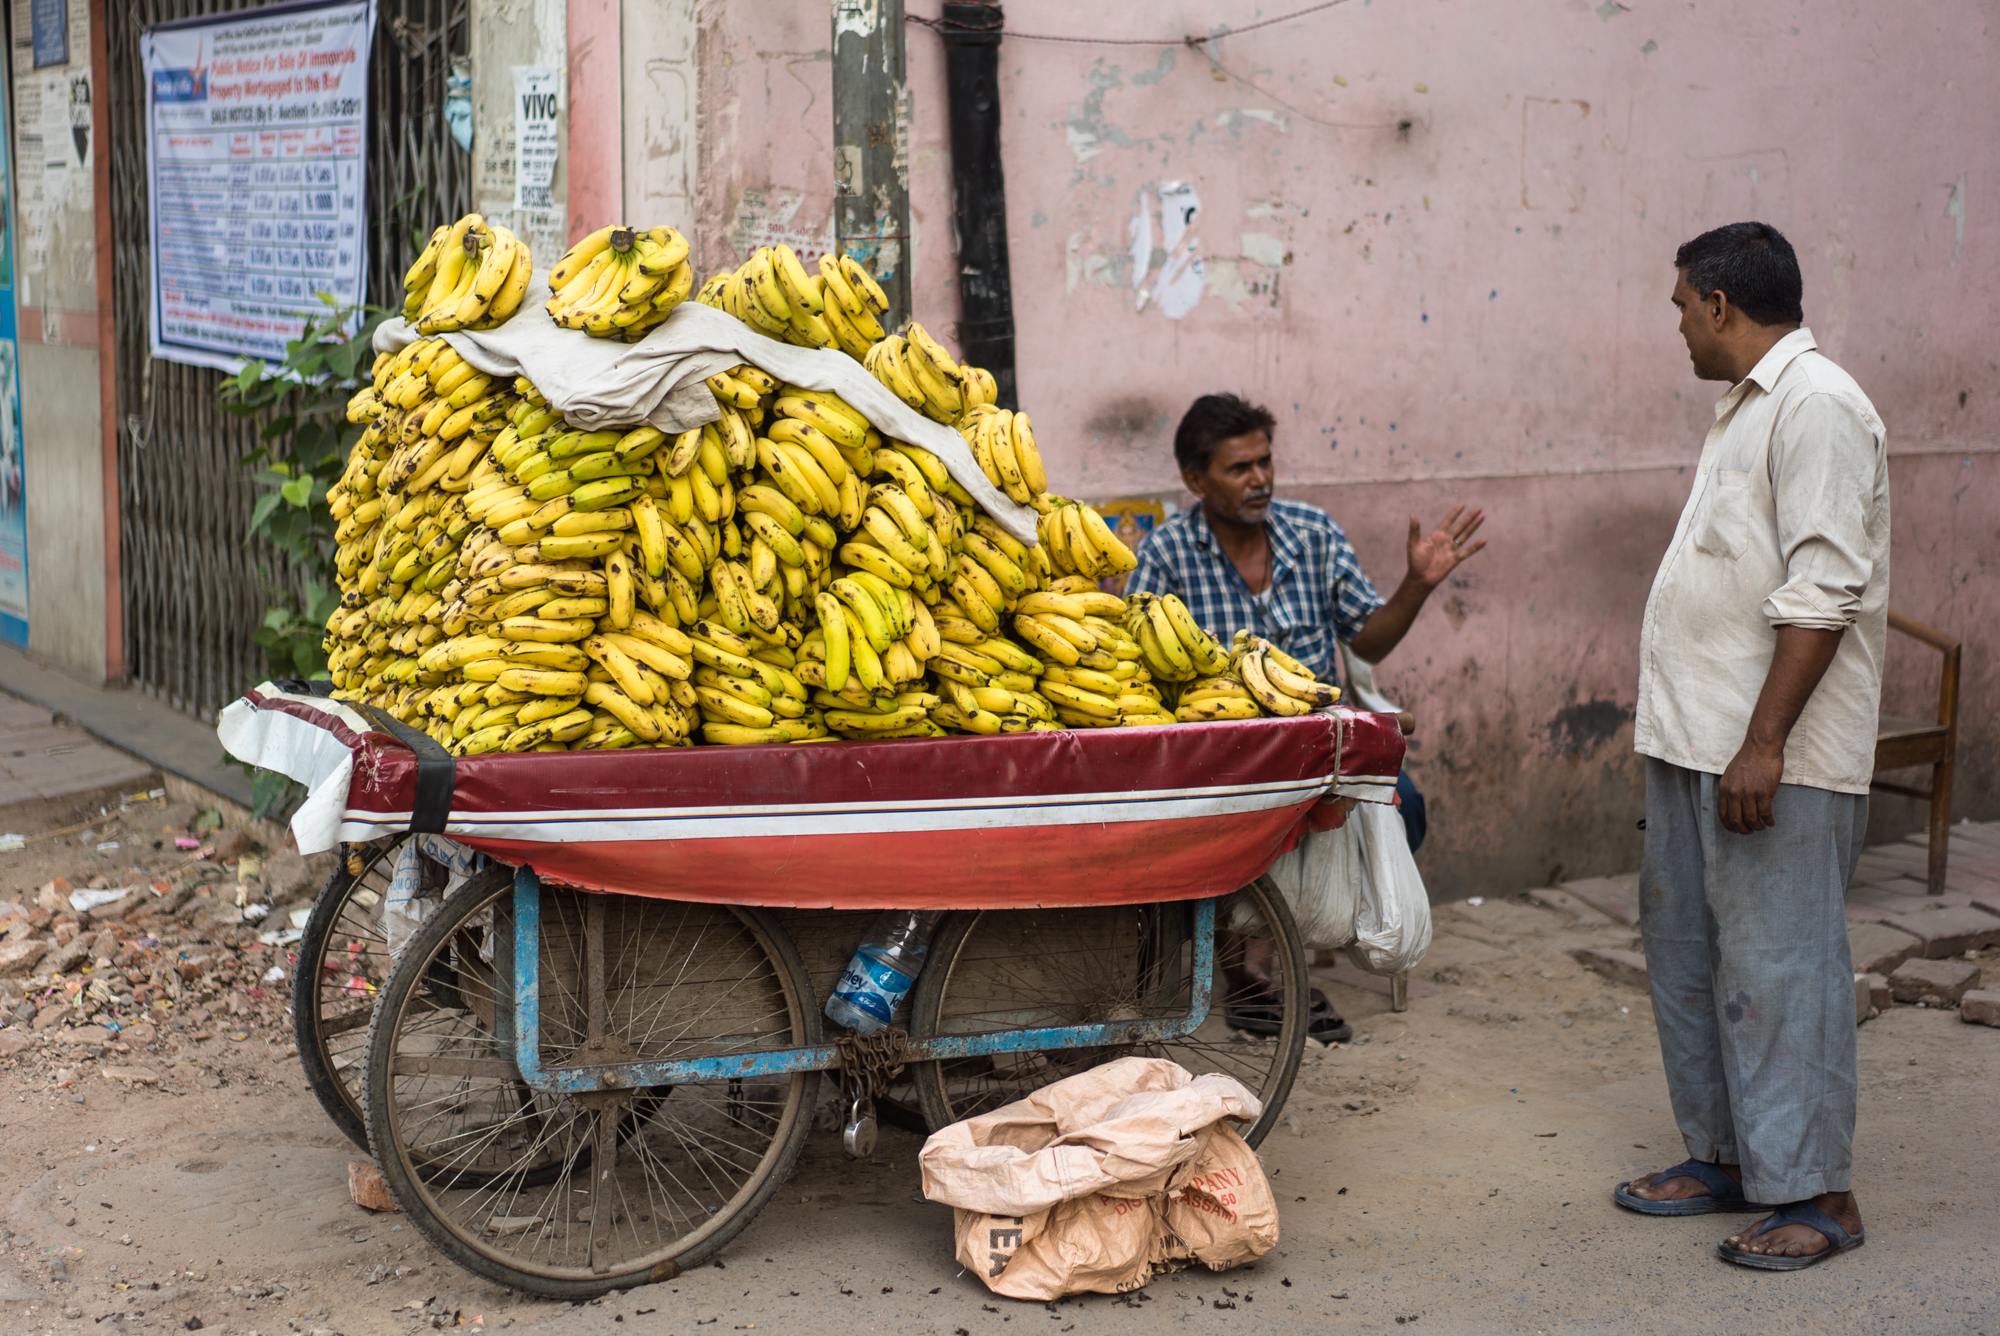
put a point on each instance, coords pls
(1725, 1194)
(1265, 1017)
(1796, 1213)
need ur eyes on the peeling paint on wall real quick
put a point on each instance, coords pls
(1178, 287)
(1954, 209)
(1086, 130)
(1233, 119)
(1263, 248)
(860, 17)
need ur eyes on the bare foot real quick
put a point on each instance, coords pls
(1800, 1240)
(1678, 1188)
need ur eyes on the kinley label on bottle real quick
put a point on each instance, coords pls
(873, 987)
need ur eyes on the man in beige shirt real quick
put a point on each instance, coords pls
(1760, 673)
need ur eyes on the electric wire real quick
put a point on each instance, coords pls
(1190, 40)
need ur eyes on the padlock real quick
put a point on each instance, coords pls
(858, 1137)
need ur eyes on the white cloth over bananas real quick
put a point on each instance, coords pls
(601, 384)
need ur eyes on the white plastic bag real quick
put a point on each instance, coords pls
(1320, 881)
(1356, 886)
(408, 902)
(1393, 928)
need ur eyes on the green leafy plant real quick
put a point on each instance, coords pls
(304, 439)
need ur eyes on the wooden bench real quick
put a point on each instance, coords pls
(1902, 743)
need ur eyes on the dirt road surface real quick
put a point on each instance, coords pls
(1449, 1171)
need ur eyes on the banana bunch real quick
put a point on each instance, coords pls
(1222, 696)
(1174, 646)
(1275, 680)
(919, 371)
(1003, 443)
(783, 574)
(470, 276)
(990, 686)
(1078, 540)
(872, 639)
(620, 282)
(746, 691)
(774, 294)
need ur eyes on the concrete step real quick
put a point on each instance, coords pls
(1614, 897)
(131, 721)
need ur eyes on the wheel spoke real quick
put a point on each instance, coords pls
(1031, 969)
(567, 1194)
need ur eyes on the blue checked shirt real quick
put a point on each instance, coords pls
(1318, 591)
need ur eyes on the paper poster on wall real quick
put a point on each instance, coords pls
(256, 156)
(540, 218)
(537, 112)
(50, 32)
(13, 500)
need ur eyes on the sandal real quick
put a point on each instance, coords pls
(1796, 1213)
(1724, 1193)
(1267, 1017)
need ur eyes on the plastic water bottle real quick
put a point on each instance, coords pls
(884, 967)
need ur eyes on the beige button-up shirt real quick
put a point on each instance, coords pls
(1787, 525)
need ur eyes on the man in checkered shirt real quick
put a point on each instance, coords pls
(1284, 570)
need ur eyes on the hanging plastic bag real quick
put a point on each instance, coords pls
(1393, 927)
(410, 899)
(1320, 881)
(1355, 886)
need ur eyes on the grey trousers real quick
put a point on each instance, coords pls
(1753, 984)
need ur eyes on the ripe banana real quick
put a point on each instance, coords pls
(1298, 685)
(1252, 669)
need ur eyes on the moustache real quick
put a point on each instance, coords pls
(1255, 498)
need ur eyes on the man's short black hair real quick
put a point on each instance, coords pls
(1753, 264)
(1213, 419)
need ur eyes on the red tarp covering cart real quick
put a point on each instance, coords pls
(1014, 821)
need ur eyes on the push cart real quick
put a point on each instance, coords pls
(591, 1063)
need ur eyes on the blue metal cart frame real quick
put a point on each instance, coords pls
(523, 963)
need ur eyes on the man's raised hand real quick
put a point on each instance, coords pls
(1436, 555)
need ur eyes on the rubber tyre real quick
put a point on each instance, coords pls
(403, 1179)
(931, 1001)
(341, 1102)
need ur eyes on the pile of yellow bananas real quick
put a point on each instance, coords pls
(784, 574)
(470, 276)
(619, 282)
(773, 294)
(1257, 679)
(919, 371)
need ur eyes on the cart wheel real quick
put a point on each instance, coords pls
(1028, 969)
(573, 1195)
(342, 962)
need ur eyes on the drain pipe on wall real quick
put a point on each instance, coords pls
(971, 31)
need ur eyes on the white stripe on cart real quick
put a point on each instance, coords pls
(994, 813)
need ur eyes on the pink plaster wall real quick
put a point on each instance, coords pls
(596, 142)
(1437, 240)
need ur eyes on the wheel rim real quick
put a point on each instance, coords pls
(1019, 969)
(513, 1178)
(343, 969)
